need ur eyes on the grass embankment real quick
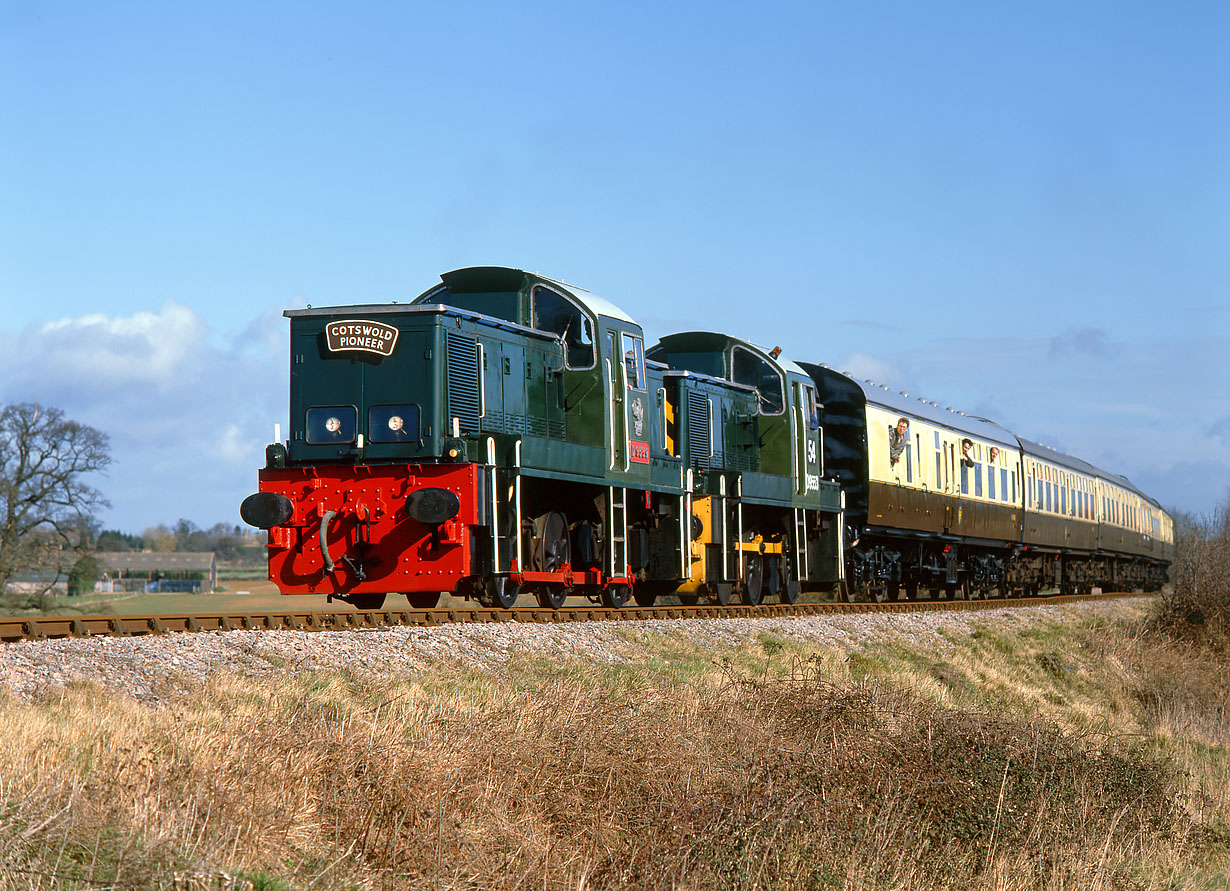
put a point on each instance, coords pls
(1066, 755)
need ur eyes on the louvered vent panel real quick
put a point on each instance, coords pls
(461, 379)
(699, 446)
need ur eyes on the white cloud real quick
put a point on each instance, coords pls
(146, 348)
(188, 414)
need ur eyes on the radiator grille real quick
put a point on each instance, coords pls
(700, 446)
(461, 379)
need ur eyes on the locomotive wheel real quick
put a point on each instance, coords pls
(551, 596)
(366, 601)
(550, 544)
(790, 586)
(753, 582)
(503, 593)
(424, 599)
(974, 593)
(615, 596)
(723, 592)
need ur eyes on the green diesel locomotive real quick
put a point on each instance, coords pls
(506, 434)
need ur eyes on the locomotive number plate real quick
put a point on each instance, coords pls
(638, 452)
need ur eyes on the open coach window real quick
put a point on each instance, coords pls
(558, 315)
(753, 371)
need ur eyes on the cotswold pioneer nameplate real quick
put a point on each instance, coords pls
(361, 335)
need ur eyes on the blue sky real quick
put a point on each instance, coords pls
(1019, 210)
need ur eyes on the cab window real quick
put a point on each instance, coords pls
(810, 406)
(558, 315)
(634, 360)
(752, 371)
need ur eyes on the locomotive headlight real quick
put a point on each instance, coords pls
(333, 425)
(396, 423)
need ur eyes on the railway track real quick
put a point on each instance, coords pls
(53, 627)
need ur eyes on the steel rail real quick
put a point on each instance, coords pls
(18, 628)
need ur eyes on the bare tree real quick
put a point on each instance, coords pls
(44, 504)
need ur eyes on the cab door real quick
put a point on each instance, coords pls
(617, 409)
(807, 436)
(627, 405)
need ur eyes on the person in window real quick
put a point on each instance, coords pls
(897, 438)
(967, 446)
(994, 454)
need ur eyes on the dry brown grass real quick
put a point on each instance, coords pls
(759, 771)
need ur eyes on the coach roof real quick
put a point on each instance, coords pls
(918, 407)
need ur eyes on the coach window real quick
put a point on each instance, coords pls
(938, 458)
(752, 371)
(558, 315)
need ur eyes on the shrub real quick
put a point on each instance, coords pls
(1197, 608)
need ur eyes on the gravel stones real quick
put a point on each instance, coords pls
(150, 667)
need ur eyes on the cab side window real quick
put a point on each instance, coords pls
(634, 360)
(809, 403)
(558, 315)
(750, 370)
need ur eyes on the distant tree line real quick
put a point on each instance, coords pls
(226, 540)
